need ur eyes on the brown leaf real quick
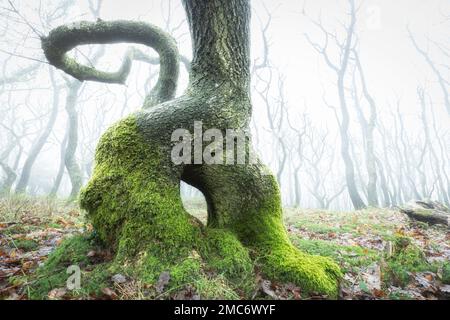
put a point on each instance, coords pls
(379, 293)
(429, 277)
(110, 293)
(91, 253)
(27, 265)
(64, 222)
(57, 293)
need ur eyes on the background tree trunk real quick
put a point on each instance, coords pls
(40, 142)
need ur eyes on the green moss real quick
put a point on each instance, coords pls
(216, 287)
(226, 255)
(52, 274)
(312, 273)
(136, 209)
(446, 273)
(264, 232)
(407, 259)
(354, 256)
(26, 244)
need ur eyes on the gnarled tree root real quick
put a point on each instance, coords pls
(134, 204)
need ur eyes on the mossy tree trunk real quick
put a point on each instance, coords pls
(133, 199)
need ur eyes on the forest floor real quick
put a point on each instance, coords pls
(382, 253)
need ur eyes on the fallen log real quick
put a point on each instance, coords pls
(431, 212)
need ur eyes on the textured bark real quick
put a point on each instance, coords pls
(133, 199)
(65, 38)
(11, 176)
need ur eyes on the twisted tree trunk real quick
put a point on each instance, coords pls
(76, 178)
(133, 199)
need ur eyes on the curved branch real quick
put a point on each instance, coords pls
(64, 38)
(138, 55)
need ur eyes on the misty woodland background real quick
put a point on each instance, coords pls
(393, 118)
(340, 131)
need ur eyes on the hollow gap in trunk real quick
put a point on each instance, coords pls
(194, 202)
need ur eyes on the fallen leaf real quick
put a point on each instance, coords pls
(57, 293)
(379, 293)
(110, 293)
(27, 265)
(91, 254)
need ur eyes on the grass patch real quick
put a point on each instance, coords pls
(347, 256)
(407, 259)
(26, 244)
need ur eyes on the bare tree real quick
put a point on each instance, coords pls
(443, 83)
(368, 128)
(345, 48)
(434, 159)
(41, 140)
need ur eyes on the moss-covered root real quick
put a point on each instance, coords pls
(252, 210)
(312, 273)
(133, 197)
(134, 204)
(54, 273)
